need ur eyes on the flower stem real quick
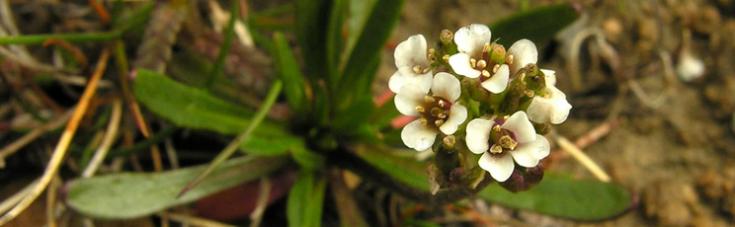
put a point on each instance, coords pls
(69, 37)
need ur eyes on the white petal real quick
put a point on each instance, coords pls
(408, 98)
(398, 79)
(554, 109)
(457, 116)
(447, 86)
(524, 52)
(418, 136)
(549, 77)
(411, 51)
(539, 109)
(470, 39)
(522, 128)
(460, 63)
(529, 154)
(478, 135)
(498, 82)
(560, 112)
(500, 168)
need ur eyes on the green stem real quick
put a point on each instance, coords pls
(138, 17)
(224, 49)
(69, 37)
(231, 148)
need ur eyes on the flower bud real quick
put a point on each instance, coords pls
(523, 179)
(446, 37)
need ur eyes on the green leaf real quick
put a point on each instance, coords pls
(359, 12)
(195, 108)
(131, 195)
(565, 197)
(368, 46)
(311, 25)
(290, 73)
(403, 168)
(334, 41)
(539, 24)
(306, 200)
(554, 195)
(187, 106)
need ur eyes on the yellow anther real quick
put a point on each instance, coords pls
(485, 73)
(442, 115)
(420, 109)
(473, 62)
(496, 68)
(481, 64)
(423, 121)
(509, 59)
(417, 69)
(438, 122)
(442, 103)
(507, 142)
(495, 149)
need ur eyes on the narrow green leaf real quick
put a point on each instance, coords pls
(244, 136)
(334, 41)
(195, 108)
(187, 106)
(217, 69)
(359, 12)
(403, 168)
(311, 25)
(306, 200)
(539, 24)
(131, 195)
(367, 48)
(565, 197)
(290, 73)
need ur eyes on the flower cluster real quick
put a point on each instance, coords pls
(496, 101)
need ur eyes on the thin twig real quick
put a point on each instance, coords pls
(107, 141)
(261, 203)
(63, 144)
(31, 136)
(195, 221)
(583, 159)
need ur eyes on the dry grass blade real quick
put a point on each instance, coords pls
(583, 159)
(8, 203)
(262, 202)
(109, 139)
(63, 144)
(31, 136)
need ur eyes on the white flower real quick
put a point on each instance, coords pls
(552, 105)
(523, 53)
(503, 142)
(473, 43)
(412, 63)
(437, 112)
